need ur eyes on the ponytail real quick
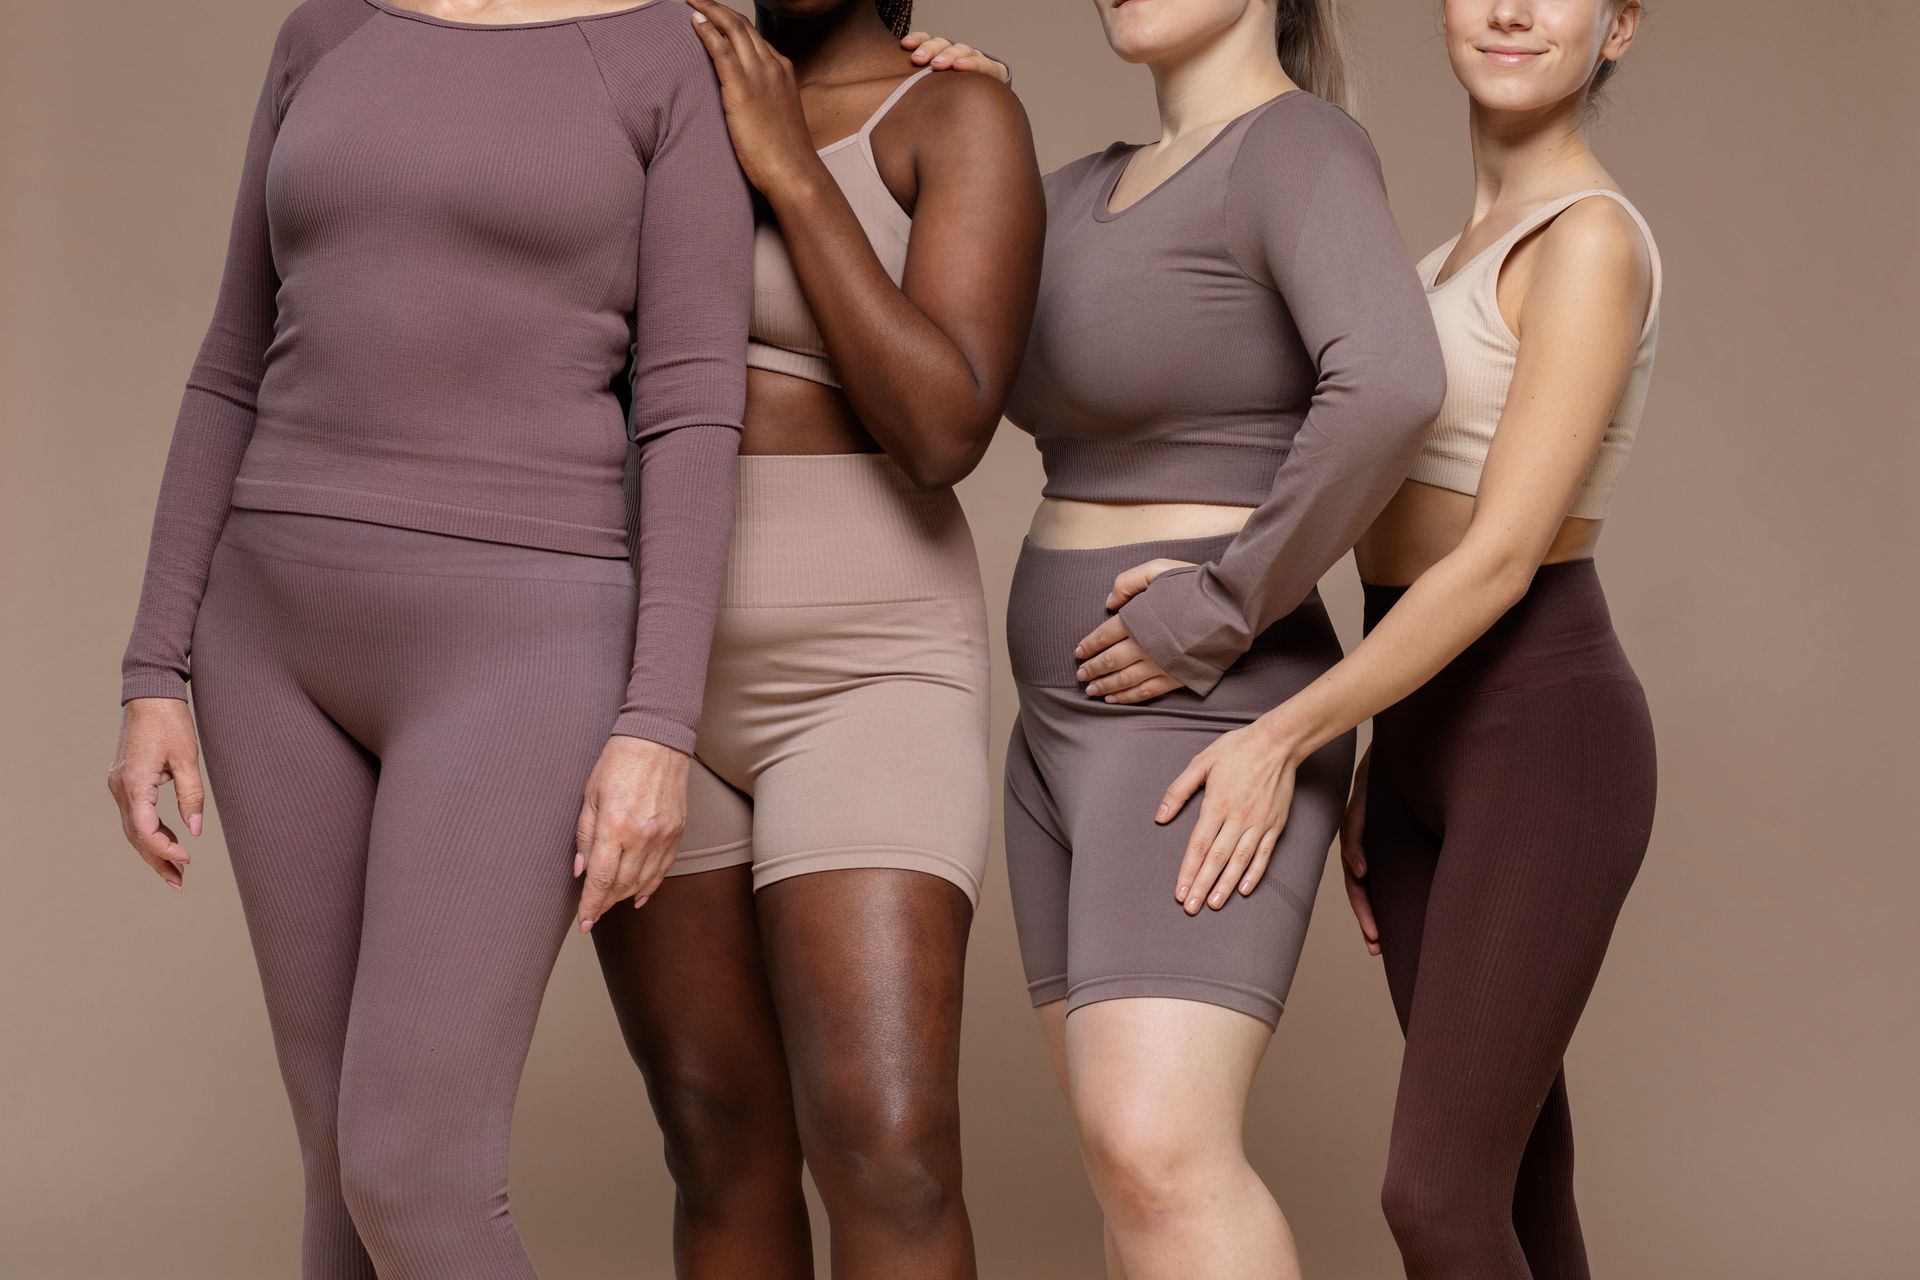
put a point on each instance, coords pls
(1313, 49)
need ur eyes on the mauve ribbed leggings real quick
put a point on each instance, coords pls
(1509, 804)
(398, 728)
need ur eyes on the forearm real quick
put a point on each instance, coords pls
(684, 528)
(1446, 609)
(908, 381)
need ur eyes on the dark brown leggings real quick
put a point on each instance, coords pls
(819, 1021)
(1509, 805)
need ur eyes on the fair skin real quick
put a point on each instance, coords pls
(1159, 1087)
(1576, 294)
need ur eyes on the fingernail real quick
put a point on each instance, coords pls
(579, 865)
(586, 926)
(1181, 893)
(193, 824)
(641, 902)
(1246, 887)
(1080, 651)
(1162, 812)
(1080, 673)
(699, 18)
(1193, 905)
(176, 887)
(1217, 901)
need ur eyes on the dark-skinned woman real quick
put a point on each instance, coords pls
(792, 992)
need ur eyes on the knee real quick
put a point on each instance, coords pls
(404, 1190)
(1146, 1170)
(899, 1164)
(725, 1138)
(1444, 1222)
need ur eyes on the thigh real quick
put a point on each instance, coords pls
(295, 801)
(878, 758)
(470, 888)
(867, 968)
(1543, 831)
(687, 975)
(1178, 1068)
(1128, 935)
(719, 825)
(1402, 854)
(1039, 874)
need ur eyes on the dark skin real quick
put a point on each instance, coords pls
(819, 1020)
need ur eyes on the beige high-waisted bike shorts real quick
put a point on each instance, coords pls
(845, 722)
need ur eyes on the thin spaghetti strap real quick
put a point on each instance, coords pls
(899, 92)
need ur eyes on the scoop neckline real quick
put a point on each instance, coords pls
(414, 15)
(1103, 210)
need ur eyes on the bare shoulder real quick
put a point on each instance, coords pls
(954, 107)
(1598, 241)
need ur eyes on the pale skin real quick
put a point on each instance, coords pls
(1159, 1087)
(1576, 294)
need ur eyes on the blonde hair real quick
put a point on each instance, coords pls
(1313, 49)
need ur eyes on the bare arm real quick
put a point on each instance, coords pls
(1579, 325)
(927, 365)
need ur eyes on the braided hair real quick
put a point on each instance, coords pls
(897, 14)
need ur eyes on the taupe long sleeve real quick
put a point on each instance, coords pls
(1251, 331)
(450, 239)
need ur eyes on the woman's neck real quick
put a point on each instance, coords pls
(838, 45)
(1219, 79)
(1523, 158)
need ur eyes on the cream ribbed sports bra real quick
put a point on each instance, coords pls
(782, 336)
(1481, 354)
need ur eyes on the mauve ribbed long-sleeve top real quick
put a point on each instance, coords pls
(1249, 332)
(453, 244)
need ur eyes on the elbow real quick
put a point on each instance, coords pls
(944, 452)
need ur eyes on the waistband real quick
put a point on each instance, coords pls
(1060, 595)
(1560, 630)
(844, 528)
(332, 542)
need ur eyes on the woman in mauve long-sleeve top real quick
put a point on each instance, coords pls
(390, 554)
(1231, 369)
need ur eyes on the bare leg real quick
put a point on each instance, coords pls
(1159, 1090)
(688, 981)
(867, 967)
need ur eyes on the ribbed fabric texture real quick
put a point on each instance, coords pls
(452, 243)
(783, 337)
(1482, 353)
(1509, 806)
(1250, 332)
(844, 528)
(1091, 874)
(399, 726)
(851, 652)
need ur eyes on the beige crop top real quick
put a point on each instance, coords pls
(1481, 353)
(782, 336)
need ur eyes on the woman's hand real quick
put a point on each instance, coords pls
(761, 98)
(157, 745)
(1248, 775)
(630, 824)
(1112, 661)
(943, 54)
(1353, 860)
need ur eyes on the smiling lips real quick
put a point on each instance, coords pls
(1506, 56)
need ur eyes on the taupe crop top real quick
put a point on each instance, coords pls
(782, 336)
(1482, 352)
(1250, 332)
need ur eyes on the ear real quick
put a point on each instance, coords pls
(1626, 23)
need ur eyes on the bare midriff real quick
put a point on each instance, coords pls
(786, 414)
(1424, 523)
(1064, 524)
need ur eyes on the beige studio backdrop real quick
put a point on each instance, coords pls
(1743, 1079)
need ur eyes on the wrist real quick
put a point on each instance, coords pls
(1285, 732)
(796, 182)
